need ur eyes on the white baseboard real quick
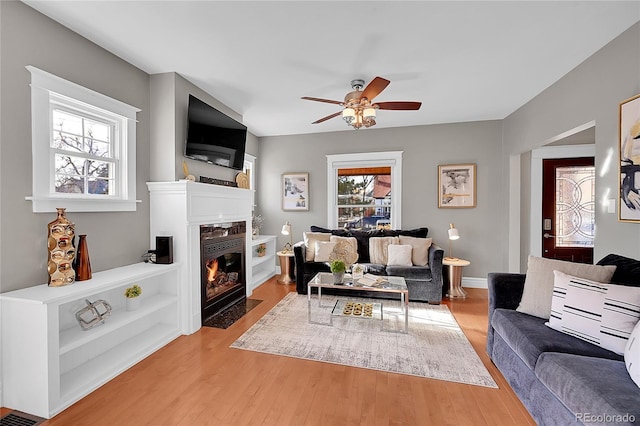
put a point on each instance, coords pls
(472, 282)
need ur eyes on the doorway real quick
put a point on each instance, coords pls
(568, 209)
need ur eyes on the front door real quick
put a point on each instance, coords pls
(568, 209)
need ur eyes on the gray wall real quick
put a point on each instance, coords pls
(590, 92)
(114, 239)
(424, 148)
(169, 102)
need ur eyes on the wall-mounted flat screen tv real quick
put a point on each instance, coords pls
(214, 137)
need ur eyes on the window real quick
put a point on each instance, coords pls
(364, 190)
(83, 148)
(364, 198)
(250, 168)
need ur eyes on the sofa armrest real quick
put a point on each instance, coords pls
(299, 255)
(505, 292)
(436, 254)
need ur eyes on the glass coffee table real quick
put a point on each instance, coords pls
(391, 285)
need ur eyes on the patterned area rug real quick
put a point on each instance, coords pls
(435, 346)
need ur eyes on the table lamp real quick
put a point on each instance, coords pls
(453, 235)
(286, 230)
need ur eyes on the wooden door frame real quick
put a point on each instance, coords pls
(537, 155)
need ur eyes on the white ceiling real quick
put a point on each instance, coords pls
(464, 60)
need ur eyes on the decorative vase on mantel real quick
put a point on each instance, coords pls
(82, 264)
(61, 252)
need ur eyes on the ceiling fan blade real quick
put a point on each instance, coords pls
(328, 117)
(399, 105)
(374, 88)
(329, 101)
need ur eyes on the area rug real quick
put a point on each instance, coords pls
(229, 316)
(435, 346)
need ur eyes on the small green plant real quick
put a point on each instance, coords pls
(338, 266)
(261, 249)
(133, 291)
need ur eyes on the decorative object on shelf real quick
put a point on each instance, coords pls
(357, 271)
(261, 249)
(185, 170)
(82, 264)
(453, 235)
(338, 268)
(295, 191)
(132, 294)
(629, 154)
(256, 224)
(242, 179)
(61, 232)
(94, 314)
(286, 230)
(457, 186)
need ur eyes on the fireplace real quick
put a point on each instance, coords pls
(222, 264)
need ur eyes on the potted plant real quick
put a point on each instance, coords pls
(261, 249)
(132, 293)
(338, 268)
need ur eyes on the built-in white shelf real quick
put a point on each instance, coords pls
(263, 267)
(49, 362)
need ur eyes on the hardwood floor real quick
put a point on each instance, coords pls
(199, 380)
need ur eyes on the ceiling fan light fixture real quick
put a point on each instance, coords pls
(349, 115)
(369, 113)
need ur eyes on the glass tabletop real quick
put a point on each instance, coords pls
(386, 283)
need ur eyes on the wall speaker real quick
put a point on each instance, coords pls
(164, 250)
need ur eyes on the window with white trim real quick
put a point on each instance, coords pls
(352, 180)
(83, 148)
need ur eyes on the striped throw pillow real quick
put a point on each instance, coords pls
(632, 355)
(602, 314)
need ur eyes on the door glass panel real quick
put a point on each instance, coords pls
(575, 206)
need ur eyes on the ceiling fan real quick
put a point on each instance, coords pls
(359, 109)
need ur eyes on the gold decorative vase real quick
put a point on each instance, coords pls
(61, 251)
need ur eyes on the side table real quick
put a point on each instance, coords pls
(455, 277)
(286, 267)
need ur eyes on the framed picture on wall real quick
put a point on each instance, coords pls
(456, 186)
(629, 155)
(295, 191)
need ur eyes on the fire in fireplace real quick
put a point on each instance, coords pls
(222, 248)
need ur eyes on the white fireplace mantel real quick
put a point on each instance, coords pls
(178, 209)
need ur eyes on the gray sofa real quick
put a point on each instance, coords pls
(561, 380)
(424, 282)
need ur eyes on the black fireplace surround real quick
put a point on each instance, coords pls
(222, 265)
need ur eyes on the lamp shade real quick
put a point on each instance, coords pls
(453, 232)
(286, 229)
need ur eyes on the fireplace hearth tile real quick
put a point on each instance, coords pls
(232, 314)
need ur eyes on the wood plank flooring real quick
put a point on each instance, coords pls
(199, 380)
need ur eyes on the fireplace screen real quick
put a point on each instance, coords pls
(222, 274)
(223, 266)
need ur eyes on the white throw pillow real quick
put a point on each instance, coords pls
(538, 285)
(599, 313)
(399, 255)
(420, 253)
(323, 250)
(632, 355)
(310, 239)
(378, 248)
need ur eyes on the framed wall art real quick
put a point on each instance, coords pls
(295, 191)
(629, 155)
(456, 186)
